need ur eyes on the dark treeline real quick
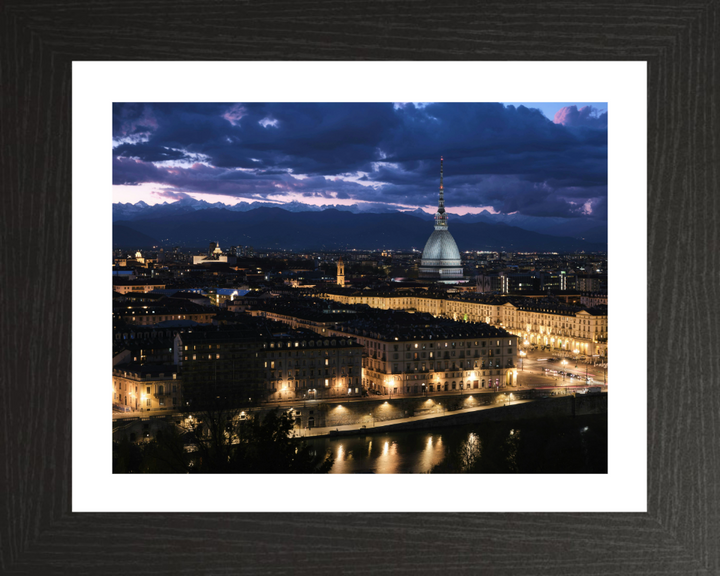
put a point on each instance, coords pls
(220, 442)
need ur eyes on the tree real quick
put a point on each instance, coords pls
(463, 460)
(164, 454)
(220, 441)
(127, 457)
(269, 446)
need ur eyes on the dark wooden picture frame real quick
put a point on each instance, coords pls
(681, 530)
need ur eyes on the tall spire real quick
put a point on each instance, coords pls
(440, 216)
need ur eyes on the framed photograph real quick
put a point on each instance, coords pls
(573, 149)
(653, 510)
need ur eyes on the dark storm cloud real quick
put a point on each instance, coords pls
(212, 180)
(149, 153)
(510, 158)
(133, 120)
(131, 172)
(585, 117)
(169, 195)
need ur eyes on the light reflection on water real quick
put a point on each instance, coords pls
(433, 453)
(384, 454)
(388, 461)
(462, 448)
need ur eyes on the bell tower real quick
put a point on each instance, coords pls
(340, 272)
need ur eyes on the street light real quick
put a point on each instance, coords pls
(564, 363)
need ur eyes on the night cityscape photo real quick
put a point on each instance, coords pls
(341, 288)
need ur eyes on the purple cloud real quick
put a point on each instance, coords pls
(511, 158)
(586, 117)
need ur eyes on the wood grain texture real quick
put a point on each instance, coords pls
(681, 532)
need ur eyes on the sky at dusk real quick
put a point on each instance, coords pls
(535, 159)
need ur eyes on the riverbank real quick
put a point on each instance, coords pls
(511, 410)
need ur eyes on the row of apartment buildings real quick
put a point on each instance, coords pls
(408, 354)
(289, 365)
(242, 373)
(507, 282)
(539, 322)
(350, 342)
(165, 310)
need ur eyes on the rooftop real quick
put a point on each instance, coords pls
(146, 370)
(166, 307)
(387, 325)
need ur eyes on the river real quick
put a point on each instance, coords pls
(548, 445)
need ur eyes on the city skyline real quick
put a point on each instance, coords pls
(289, 356)
(505, 159)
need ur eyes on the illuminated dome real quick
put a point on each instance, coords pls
(441, 250)
(441, 257)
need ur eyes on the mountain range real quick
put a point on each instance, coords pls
(328, 229)
(592, 230)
